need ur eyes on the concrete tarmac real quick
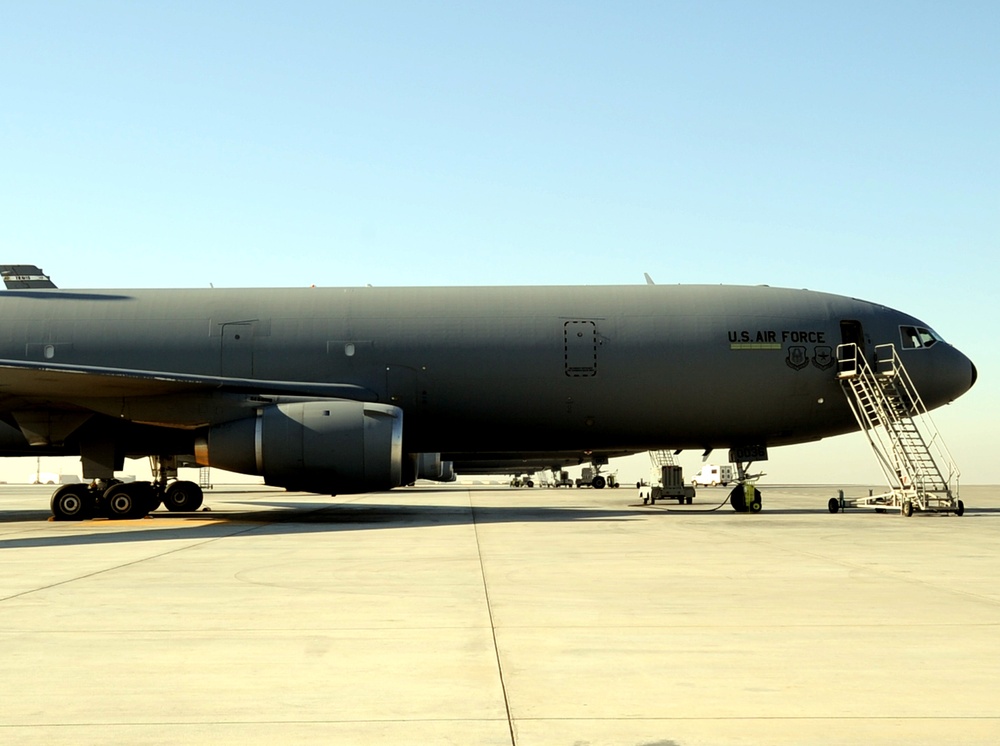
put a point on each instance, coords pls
(489, 615)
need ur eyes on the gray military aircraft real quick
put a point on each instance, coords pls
(351, 390)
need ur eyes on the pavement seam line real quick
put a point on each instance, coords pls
(124, 564)
(493, 628)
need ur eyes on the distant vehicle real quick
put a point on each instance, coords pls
(671, 487)
(44, 477)
(50, 477)
(590, 477)
(712, 475)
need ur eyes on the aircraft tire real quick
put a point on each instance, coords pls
(183, 497)
(146, 497)
(737, 498)
(71, 502)
(124, 501)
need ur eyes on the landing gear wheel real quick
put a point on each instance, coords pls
(833, 505)
(124, 501)
(960, 508)
(737, 498)
(183, 497)
(907, 509)
(598, 482)
(146, 498)
(72, 502)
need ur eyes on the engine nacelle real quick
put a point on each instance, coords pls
(429, 466)
(327, 446)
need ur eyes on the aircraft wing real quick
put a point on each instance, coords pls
(56, 382)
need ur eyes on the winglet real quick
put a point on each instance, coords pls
(24, 276)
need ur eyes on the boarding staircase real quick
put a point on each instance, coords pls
(668, 480)
(917, 465)
(659, 459)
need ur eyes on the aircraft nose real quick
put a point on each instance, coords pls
(949, 374)
(964, 374)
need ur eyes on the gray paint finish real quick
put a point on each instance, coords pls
(482, 370)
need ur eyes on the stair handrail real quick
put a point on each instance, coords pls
(889, 360)
(853, 369)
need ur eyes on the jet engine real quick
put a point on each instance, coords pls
(326, 446)
(429, 466)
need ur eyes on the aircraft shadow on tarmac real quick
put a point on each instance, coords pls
(290, 517)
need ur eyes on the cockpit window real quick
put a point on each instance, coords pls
(916, 337)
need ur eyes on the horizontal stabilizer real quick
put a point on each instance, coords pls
(24, 276)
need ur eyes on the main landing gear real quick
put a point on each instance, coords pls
(124, 500)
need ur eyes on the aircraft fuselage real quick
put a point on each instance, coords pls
(483, 370)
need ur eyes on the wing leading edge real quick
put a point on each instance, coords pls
(56, 382)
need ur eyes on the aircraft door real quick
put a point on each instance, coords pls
(401, 386)
(852, 333)
(237, 350)
(580, 348)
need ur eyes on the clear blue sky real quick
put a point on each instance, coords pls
(849, 147)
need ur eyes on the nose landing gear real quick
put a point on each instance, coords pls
(745, 497)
